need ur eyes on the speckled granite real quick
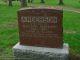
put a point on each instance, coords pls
(40, 53)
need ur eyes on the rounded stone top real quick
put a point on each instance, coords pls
(54, 8)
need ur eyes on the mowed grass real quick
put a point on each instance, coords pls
(71, 28)
(67, 3)
(9, 28)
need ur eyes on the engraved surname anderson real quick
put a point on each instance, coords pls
(45, 19)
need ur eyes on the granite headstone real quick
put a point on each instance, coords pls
(41, 27)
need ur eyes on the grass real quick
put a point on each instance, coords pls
(9, 27)
(71, 24)
(67, 3)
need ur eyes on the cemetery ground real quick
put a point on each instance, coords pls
(9, 28)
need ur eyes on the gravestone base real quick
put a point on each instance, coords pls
(22, 52)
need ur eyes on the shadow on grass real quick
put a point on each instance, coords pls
(74, 56)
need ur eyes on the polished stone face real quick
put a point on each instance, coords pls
(41, 27)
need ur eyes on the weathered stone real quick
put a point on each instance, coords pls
(22, 52)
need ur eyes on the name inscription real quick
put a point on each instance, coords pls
(42, 19)
(40, 26)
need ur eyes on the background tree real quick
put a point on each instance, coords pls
(10, 2)
(42, 1)
(28, 1)
(23, 3)
(61, 2)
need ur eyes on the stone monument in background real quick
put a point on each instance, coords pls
(41, 35)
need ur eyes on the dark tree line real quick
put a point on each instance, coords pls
(10, 2)
(24, 2)
(61, 2)
(30, 1)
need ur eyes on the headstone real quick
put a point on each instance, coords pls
(41, 35)
(41, 27)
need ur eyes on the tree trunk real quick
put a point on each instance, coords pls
(28, 1)
(10, 2)
(61, 2)
(42, 1)
(23, 3)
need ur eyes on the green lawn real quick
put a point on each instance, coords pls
(9, 28)
(71, 24)
(67, 3)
